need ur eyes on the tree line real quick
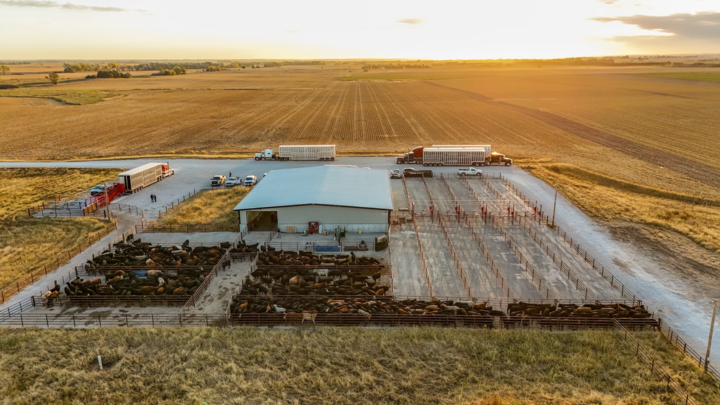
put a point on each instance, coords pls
(392, 66)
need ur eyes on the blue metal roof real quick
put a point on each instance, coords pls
(321, 185)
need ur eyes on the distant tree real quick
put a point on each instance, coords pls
(112, 66)
(4, 69)
(53, 77)
(179, 70)
(243, 66)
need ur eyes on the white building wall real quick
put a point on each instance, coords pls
(354, 219)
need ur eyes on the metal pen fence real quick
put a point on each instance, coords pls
(175, 202)
(534, 274)
(656, 367)
(117, 320)
(680, 343)
(564, 268)
(153, 228)
(206, 282)
(478, 240)
(668, 332)
(417, 236)
(60, 260)
(456, 259)
(310, 246)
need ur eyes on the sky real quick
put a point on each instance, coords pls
(320, 29)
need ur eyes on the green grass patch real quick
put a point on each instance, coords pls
(72, 97)
(697, 76)
(247, 365)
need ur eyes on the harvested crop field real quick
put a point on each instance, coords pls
(332, 365)
(602, 119)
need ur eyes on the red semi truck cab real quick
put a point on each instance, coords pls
(167, 170)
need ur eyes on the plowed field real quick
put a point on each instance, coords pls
(606, 120)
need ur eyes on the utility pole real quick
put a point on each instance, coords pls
(554, 204)
(712, 325)
(107, 203)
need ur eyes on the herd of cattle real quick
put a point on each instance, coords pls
(300, 283)
(575, 311)
(358, 305)
(139, 268)
(313, 281)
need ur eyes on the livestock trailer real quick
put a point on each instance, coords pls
(306, 152)
(142, 176)
(488, 148)
(454, 157)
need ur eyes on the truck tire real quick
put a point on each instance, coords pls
(507, 163)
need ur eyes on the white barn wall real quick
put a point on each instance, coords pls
(329, 217)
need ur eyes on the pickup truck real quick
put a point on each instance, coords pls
(97, 190)
(217, 181)
(470, 171)
(234, 181)
(250, 180)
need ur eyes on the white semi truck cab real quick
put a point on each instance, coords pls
(267, 154)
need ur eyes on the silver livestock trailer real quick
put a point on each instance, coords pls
(306, 152)
(454, 156)
(140, 177)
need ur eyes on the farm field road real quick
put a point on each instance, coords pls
(703, 173)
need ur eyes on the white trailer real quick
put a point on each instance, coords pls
(454, 157)
(140, 177)
(306, 152)
(488, 148)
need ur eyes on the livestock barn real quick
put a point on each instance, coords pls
(332, 196)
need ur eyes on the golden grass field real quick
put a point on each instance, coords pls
(336, 366)
(28, 244)
(211, 209)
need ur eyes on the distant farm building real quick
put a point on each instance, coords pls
(333, 196)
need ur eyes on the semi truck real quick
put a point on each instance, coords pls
(299, 152)
(454, 155)
(140, 177)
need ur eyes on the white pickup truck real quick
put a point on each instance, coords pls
(470, 171)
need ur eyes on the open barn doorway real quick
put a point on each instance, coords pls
(262, 221)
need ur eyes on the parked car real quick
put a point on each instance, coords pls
(250, 180)
(470, 171)
(395, 174)
(217, 181)
(97, 190)
(234, 181)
